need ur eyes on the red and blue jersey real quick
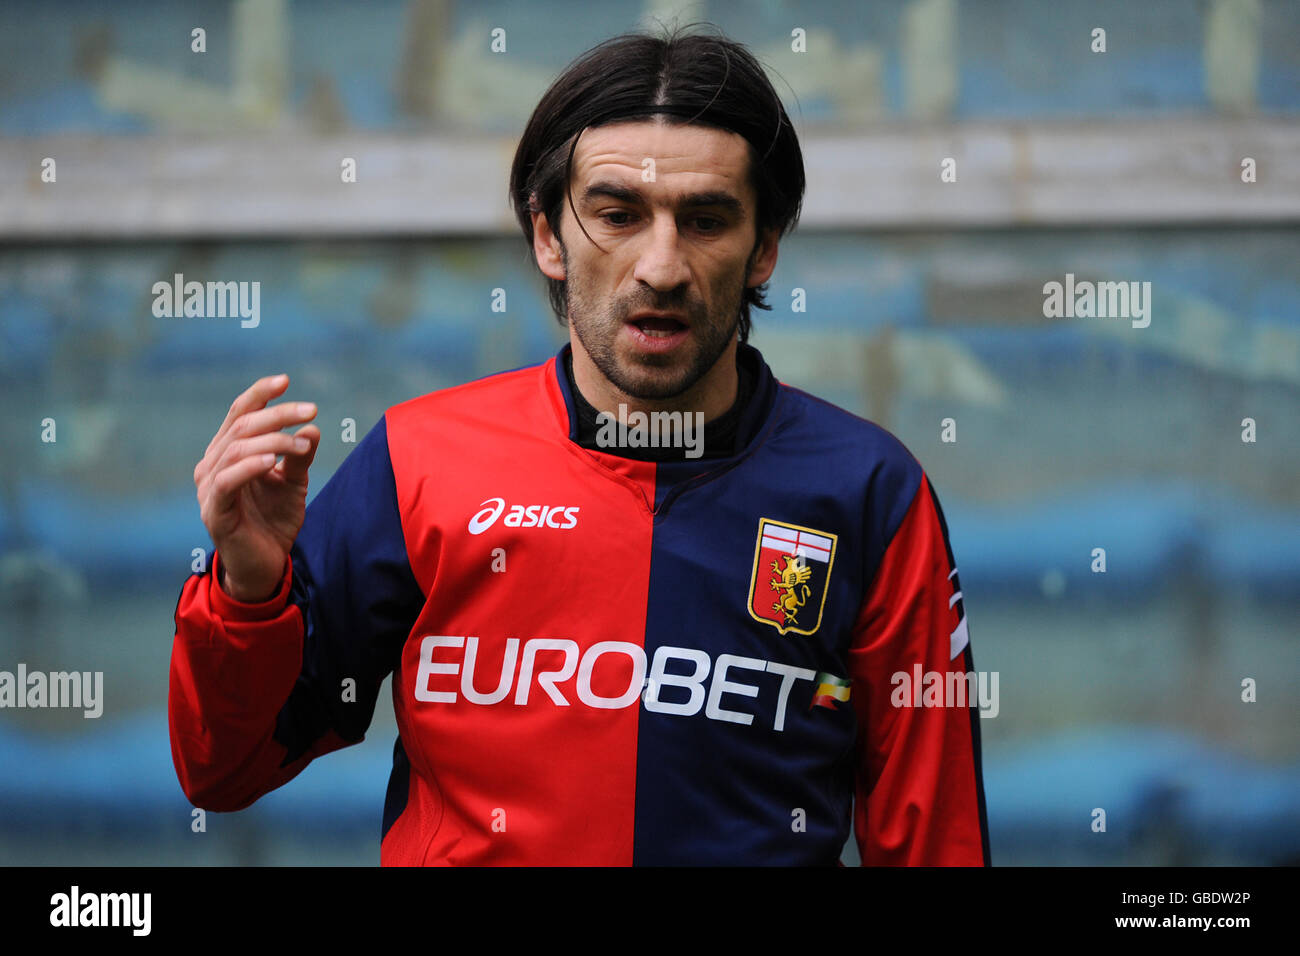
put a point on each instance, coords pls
(600, 660)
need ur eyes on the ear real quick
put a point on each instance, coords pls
(546, 247)
(764, 259)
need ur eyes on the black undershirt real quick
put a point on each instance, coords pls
(719, 434)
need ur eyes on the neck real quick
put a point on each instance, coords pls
(713, 394)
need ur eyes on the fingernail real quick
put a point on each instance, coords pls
(301, 444)
(306, 408)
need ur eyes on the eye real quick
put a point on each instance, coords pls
(617, 212)
(717, 223)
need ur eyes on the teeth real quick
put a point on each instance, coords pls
(655, 333)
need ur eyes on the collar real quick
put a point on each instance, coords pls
(750, 412)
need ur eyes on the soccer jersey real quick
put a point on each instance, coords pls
(600, 660)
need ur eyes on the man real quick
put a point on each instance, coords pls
(609, 644)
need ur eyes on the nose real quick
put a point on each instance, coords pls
(661, 263)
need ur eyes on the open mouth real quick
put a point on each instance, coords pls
(656, 334)
(659, 326)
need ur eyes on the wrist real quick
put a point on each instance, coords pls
(243, 593)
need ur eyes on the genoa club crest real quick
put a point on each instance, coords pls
(792, 566)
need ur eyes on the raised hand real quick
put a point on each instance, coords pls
(252, 505)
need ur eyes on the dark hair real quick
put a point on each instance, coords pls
(702, 79)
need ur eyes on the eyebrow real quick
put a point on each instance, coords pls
(624, 193)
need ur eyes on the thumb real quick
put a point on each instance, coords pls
(295, 465)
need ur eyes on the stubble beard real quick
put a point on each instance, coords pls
(653, 377)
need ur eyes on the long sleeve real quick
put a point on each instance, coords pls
(919, 794)
(257, 691)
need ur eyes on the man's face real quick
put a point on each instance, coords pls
(672, 209)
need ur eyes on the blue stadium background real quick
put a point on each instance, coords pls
(1119, 690)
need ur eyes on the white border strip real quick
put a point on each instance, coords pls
(1166, 171)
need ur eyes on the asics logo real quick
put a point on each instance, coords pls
(561, 517)
(487, 517)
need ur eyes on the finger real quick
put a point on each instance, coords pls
(274, 418)
(227, 482)
(277, 443)
(260, 422)
(295, 464)
(252, 398)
